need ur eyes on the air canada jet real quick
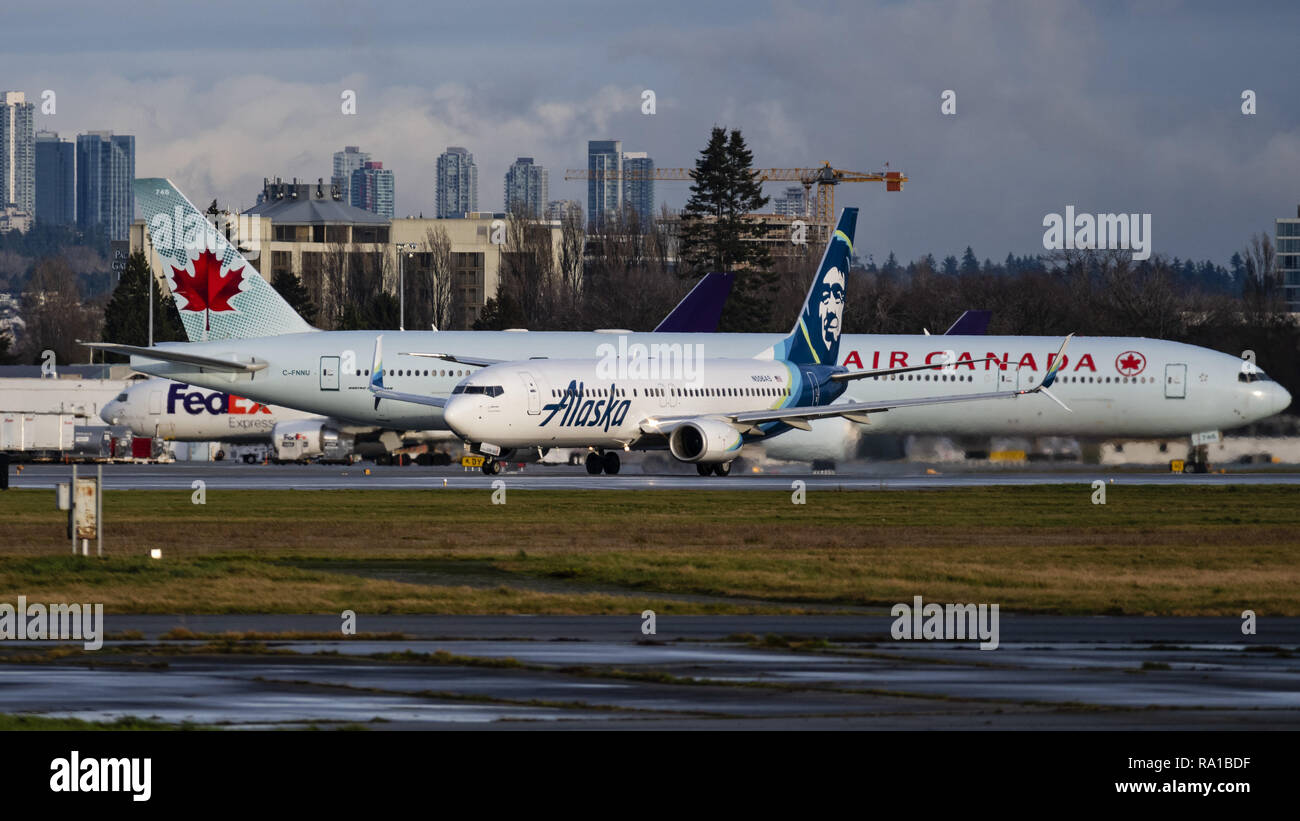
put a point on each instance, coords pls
(185, 413)
(703, 411)
(250, 342)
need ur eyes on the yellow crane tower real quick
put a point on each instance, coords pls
(825, 178)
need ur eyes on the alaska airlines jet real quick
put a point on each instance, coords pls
(258, 347)
(702, 411)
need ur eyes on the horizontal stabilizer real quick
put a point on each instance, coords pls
(472, 361)
(171, 355)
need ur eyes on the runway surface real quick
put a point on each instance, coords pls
(238, 476)
(722, 672)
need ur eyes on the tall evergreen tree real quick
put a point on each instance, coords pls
(295, 293)
(6, 354)
(126, 316)
(715, 235)
(950, 265)
(970, 264)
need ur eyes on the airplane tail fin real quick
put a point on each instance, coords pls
(815, 338)
(701, 309)
(218, 293)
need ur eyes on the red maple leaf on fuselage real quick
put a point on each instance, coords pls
(206, 289)
(1131, 363)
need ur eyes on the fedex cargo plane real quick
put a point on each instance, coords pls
(248, 340)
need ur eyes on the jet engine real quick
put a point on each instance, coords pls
(704, 440)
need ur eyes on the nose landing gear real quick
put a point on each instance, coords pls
(491, 467)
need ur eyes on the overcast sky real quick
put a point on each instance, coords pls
(1108, 107)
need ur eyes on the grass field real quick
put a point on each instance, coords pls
(1149, 550)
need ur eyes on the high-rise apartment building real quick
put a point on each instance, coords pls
(791, 203)
(56, 179)
(618, 180)
(345, 162)
(1288, 259)
(604, 182)
(17, 152)
(457, 183)
(372, 188)
(527, 188)
(105, 180)
(639, 185)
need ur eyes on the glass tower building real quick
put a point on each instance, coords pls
(457, 183)
(105, 176)
(527, 188)
(56, 179)
(17, 152)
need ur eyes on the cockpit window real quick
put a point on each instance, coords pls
(121, 397)
(485, 390)
(1254, 376)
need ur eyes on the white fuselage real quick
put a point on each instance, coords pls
(1116, 386)
(571, 403)
(187, 413)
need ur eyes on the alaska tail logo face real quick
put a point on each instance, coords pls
(815, 339)
(206, 289)
(830, 310)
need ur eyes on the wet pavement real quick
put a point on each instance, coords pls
(725, 672)
(238, 476)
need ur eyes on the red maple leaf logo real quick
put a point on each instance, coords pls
(1130, 363)
(206, 289)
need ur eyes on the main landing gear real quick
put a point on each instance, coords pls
(491, 467)
(607, 462)
(719, 469)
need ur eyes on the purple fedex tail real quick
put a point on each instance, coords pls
(971, 323)
(700, 310)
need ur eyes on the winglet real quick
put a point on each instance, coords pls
(377, 368)
(1056, 363)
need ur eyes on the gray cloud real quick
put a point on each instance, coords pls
(1106, 107)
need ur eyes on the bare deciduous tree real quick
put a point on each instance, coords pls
(56, 315)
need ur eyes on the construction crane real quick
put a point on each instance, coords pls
(825, 178)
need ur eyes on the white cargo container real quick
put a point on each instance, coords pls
(37, 431)
(38, 417)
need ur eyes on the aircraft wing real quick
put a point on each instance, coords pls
(800, 417)
(417, 398)
(473, 361)
(169, 355)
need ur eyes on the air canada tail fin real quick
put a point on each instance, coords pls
(218, 293)
(815, 338)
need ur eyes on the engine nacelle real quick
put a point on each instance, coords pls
(310, 439)
(704, 440)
